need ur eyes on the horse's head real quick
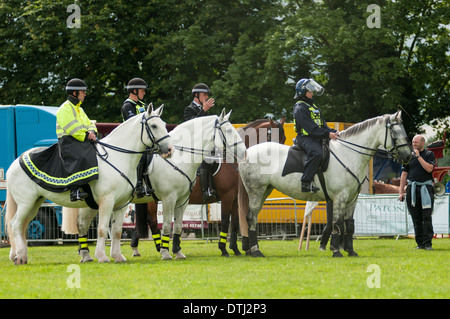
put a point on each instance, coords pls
(262, 130)
(157, 137)
(226, 137)
(396, 141)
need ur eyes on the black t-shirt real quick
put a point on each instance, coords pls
(416, 173)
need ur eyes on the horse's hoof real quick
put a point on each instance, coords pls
(322, 248)
(257, 253)
(337, 254)
(353, 254)
(248, 253)
(225, 253)
(120, 259)
(236, 251)
(103, 260)
(85, 256)
(19, 261)
(165, 254)
(179, 255)
(137, 255)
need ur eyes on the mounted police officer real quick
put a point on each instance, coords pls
(199, 106)
(311, 129)
(75, 133)
(132, 106)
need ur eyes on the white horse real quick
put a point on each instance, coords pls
(172, 179)
(110, 190)
(261, 172)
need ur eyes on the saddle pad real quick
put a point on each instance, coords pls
(46, 167)
(295, 161)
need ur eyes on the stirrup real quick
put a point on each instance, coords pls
(77, 195)
(309, 188)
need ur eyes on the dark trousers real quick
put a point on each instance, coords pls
(421, 218)
(313, 148)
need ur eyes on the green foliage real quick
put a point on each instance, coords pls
(250, 52)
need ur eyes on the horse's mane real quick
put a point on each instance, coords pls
(357, 128)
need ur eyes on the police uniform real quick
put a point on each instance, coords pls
(77, 152)
(193, 111)
(311, 129)
(129, 109)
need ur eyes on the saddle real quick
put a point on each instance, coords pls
(47, 168)
(295, 162)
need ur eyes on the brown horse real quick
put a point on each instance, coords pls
(226, 184)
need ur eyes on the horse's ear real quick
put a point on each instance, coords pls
(271, 122)
(150, 108)
(159, 110)
(227, 117)
(283, 120)
(397, 117)
(222, 114)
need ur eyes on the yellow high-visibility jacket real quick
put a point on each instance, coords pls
(71, 120)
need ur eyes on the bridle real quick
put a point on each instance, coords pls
(155, 148)
(217, 129)
(390, 154)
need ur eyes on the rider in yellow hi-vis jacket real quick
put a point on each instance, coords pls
(75, 133)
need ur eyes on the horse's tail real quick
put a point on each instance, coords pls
(243, 207)
(11, 209)
(140, 219)
(69, 220)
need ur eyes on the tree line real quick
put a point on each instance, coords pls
(372, 57)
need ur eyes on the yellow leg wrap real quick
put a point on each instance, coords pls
(165, 241)
(223, 237)
(157, 239)
(82, 241)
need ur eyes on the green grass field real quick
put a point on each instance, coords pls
(285, 273)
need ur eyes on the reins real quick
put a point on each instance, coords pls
(389, 153)
(149, 150)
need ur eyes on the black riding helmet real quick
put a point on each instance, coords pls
(135, 84)
(200, 88)
(76, 84)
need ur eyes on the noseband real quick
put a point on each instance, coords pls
(144, 124)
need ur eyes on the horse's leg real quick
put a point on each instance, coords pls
(85, 216)
(256, 201)
(177, 229)
(234, 229)
(337, 232)
(152, 219)
(116, 234)
(329, 226)
(165, 238)
(224, 225)
(349, 230)
(105, 213)
(18, 226)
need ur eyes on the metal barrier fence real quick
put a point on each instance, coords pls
(45, 228)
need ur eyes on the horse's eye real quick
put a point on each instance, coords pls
(153, 126)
